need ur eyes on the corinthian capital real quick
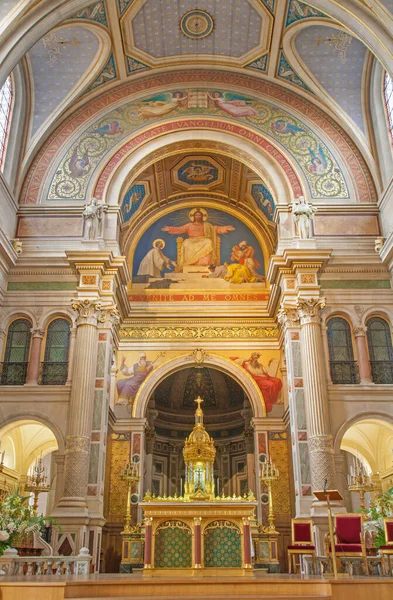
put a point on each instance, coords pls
(288, 316)
(88, 310)
(309, 309)
(109, 314)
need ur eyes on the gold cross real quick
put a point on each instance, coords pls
(199, 402)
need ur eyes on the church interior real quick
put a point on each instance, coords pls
(196, 303)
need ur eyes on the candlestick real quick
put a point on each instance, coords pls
(360, 482)
(129, 473)
(269, 474)
(36, 483)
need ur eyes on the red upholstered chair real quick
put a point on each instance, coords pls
(387, 549)
(302, 541)
(349, 537)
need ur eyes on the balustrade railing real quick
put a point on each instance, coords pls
(382, 371)
(13, 373)
(13, 565)
(344, 371)
(53, 373)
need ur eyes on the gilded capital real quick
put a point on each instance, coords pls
(309, 310)
(88, 310)
(288, 316)
(109, 314)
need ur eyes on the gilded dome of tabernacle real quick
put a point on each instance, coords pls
(199, 445)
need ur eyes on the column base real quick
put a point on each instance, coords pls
(71, 506)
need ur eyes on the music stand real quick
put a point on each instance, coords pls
(326, 496)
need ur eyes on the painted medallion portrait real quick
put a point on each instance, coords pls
(198, 248)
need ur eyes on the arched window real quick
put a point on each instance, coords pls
(343, 368)
(6, 95)
(388, 93)
(16, 353)
(55, 365)
(380, 349)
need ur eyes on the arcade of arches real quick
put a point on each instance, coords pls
(194, 213)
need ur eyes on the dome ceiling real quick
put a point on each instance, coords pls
(219, 391)
(237, 33)
(336, 61)
(197, 175)
(95, 46)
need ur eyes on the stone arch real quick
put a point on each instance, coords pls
(226, 365)
(381, 416)
(40, 418)
(260, 154)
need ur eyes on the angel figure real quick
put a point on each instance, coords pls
(161, 107)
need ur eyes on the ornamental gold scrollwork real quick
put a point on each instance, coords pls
(87, 309)
(288, 316)
(77, 444)
(320, 443)
(190, 332)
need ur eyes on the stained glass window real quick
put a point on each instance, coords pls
(342, 366)
(55, 366)
(388, 92)
(380, 349)
(6, 95)
(16, 353)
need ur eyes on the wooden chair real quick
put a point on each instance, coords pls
(302, 542)
(349, 537)
(387, 549)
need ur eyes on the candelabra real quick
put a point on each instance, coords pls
(360, 482)
(131, 475)
(36, 483)
(269, 474)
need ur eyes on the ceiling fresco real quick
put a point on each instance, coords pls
(6, 6)
(336, 61)
(319, 166)
(319, 62)
(240, 31)
(387, 4)
(198, 177)
(58, 62)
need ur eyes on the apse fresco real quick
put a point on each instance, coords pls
(135, 366)
(198, 250)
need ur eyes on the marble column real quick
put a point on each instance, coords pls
(71, 354)
(318, 422)
(33, 369)
(363, 359)
(76, 467)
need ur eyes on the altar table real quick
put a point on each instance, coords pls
(198, 538)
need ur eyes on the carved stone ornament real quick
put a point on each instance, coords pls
(320, 443)
(360, 330)
(91, 311)
(37, 333)
(309, 310)
(87, 309)
(379, 242)
(288, 316)
(109, 313)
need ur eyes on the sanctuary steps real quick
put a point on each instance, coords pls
(258, 587)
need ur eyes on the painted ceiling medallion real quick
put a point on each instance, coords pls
(196, 24)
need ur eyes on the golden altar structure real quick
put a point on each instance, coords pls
(198, 533)
(198, 537)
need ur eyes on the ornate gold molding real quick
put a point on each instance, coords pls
(309, 310)
(92, 311)
(288, 316)
(195, 332)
